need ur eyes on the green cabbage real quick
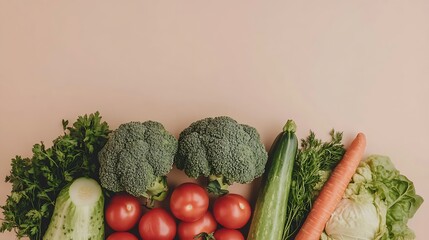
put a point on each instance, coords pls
(377, 204)
(351, 215)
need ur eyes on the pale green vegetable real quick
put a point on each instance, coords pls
(78, 213)
(351, 215)
(377, 204)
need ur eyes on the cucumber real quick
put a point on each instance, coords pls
(269, 216)
(78, 213)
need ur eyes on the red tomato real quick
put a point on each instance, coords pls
(228, 234)
(188, 230)
(232, 211)
(157, 224)
(123, 212)
(122, 236)
(189, 202)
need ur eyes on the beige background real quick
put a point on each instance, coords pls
(349, 65)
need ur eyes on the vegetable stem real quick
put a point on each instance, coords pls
(290, 126)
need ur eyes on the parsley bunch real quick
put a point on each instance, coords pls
(37, 181)
(314, 162)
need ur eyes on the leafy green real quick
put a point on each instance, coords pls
(377, 184)
(36, 181)
(313, 165)
(399, 194)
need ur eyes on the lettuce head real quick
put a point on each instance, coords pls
(377, 204)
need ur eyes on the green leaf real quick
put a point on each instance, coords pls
(65, 123)
(16, 196)
(68, 177)
(34, 214)
(44, 196)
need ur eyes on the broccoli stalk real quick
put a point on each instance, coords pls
(218, 185)
(137, 158)
(157, 191)
(223, 150)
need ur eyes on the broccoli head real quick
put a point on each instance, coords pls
(223, 150)
(136, 158)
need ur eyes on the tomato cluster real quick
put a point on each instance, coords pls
(189, 217)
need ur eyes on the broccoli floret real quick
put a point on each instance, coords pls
(223, 150)
(136, 158)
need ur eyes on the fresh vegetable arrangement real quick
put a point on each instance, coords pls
(95, 183)
(38, 181)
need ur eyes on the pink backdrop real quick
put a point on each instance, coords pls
(349, 65)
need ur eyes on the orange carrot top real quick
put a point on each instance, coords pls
(333, 191)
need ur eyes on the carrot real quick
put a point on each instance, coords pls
(333, 191)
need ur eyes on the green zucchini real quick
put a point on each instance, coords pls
(269, 216)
